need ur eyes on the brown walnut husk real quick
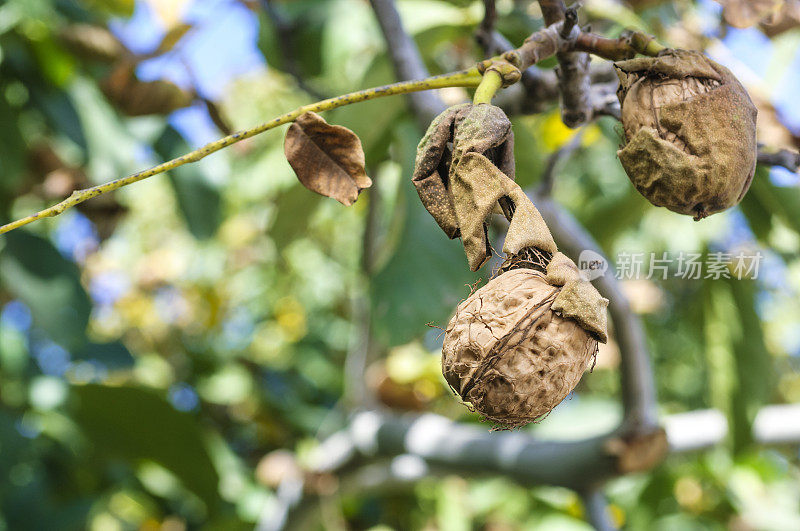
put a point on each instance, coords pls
(464, 169)
(690, 131)
(519, 345)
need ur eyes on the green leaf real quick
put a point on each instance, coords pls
(111, 146)
(758, 215)
(12, 154)
(121, 8)
(114, 356)
(137, 424)
(198, 199)
(373, 121)
(36, 273)
(739, 364)
(173, 36)
(527, 153)
(427, 275)
(60, 113)
(753, 361)
(308, 23)
(294, 209)
(783, 202)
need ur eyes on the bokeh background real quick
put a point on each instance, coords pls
(171, 353)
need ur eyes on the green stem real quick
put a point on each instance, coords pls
(492, 82)
(645, 44)
(463, 78)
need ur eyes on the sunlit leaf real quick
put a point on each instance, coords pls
(123, 8)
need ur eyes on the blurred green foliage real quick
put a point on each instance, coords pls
(157, 347)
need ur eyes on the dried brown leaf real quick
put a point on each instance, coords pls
(328, 159)
(745, 13)
(138, 98)
(88, 41)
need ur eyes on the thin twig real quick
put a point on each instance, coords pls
(486, 28)
(548, 176)
(464, 78)
(540, 45)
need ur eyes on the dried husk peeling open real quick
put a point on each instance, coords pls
(690, 131)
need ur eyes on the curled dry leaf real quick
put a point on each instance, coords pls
(328, 159)
(477, 186)
(460, 129)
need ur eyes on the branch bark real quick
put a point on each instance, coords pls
(382, 451)
(596, 506)
(552, 11)
(486, 27)
(783, 158)
(407, 60)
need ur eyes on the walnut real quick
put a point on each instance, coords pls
(690, 132)
(519, 345)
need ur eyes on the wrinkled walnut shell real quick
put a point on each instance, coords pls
(510, 354)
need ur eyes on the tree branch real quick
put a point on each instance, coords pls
(538, 46)
(464, 78)
(596, 506)
(782, 157)
(285, 33)
(539, 86)
(552, 11)
(381, 451)
(485, 32)
(406, 59)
